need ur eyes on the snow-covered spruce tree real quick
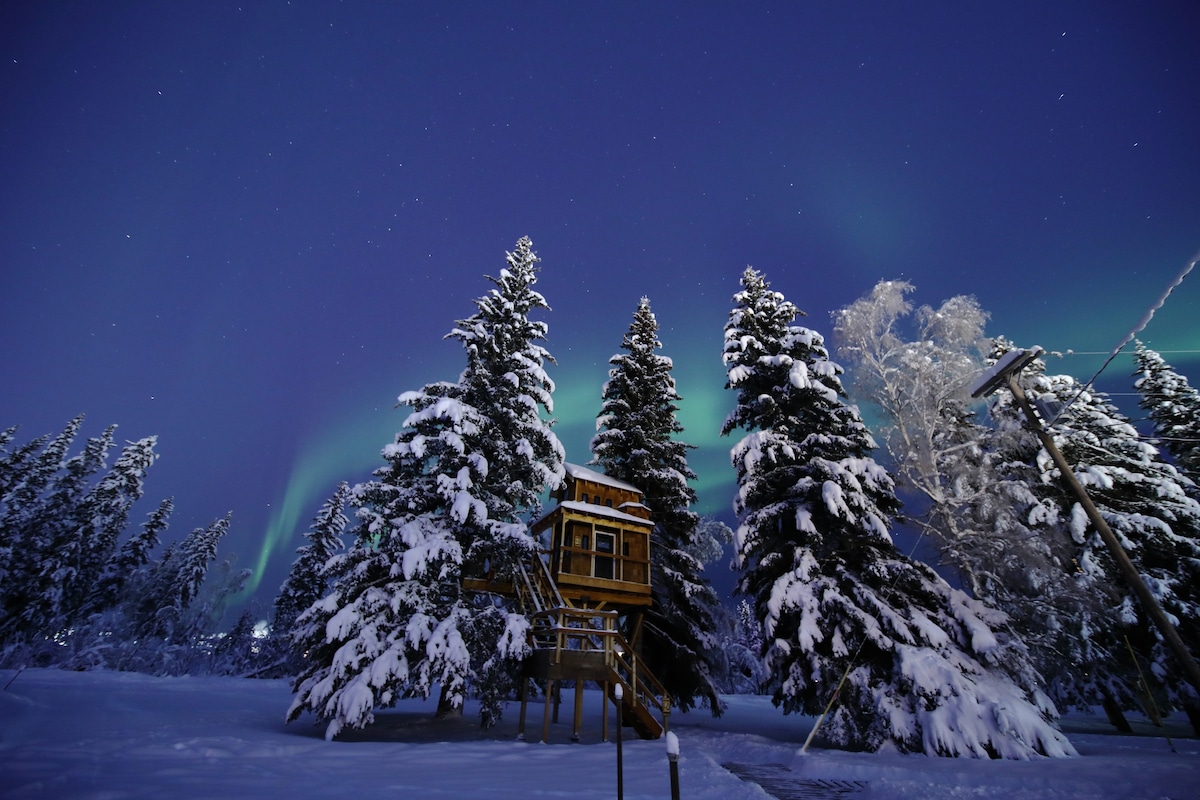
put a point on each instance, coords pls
(925, 667)
(174, 582)
(10, 462)
(745, 672)
(307, 582)
(1174, 407)
(469, 462)
(708, 544)
(1146, 503)
(102, 518)
(505, 379)
(635, 443)
(128, 566)
(106, 635)
(239, 651)
(169, 612)
(224, 581)
(40, 502)
(27, 472)
(65, 526)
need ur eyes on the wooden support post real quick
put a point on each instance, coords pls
(604, 711)
(635, 635)
(524, 704)
(578, 709)
(546, 715)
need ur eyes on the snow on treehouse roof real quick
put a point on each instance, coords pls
(597, 511)
(584, 474)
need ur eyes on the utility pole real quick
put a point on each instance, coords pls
(1007, 369)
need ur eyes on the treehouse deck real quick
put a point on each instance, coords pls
(583, 644)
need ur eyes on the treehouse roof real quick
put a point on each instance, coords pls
(579, 473)
(599, 511)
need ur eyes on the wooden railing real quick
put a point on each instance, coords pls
(566, 629)
(647, 691)
(536, 590)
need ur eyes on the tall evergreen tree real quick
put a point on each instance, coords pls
(636, 443)
(506, 381)
(10, 462)
(1146, 503)
(68, 526)
(16, 466)
(470, 460)
(172, 585)
(28, 476)
(195, 554)
(127, 567)
(920, 664)
(39, 502)
(308, 581)
(74, 594)
(1174, 407)
(63, 568)
(101, 520)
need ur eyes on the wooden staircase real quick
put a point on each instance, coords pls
(582, 644)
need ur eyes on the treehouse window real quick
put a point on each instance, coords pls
(605, 547)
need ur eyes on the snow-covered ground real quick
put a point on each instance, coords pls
(117, 735)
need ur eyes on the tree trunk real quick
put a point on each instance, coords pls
(1115, 715)
(1193, 715)
(445, 708)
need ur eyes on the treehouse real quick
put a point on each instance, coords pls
(598, 538)
(593, 568)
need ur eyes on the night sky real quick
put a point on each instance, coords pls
(246, 228)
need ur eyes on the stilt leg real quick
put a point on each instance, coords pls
(546, 716)
(604, 711)
(524, 703)
(578, 709)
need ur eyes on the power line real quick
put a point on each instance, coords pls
(1069, 352)
(1141, 326)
